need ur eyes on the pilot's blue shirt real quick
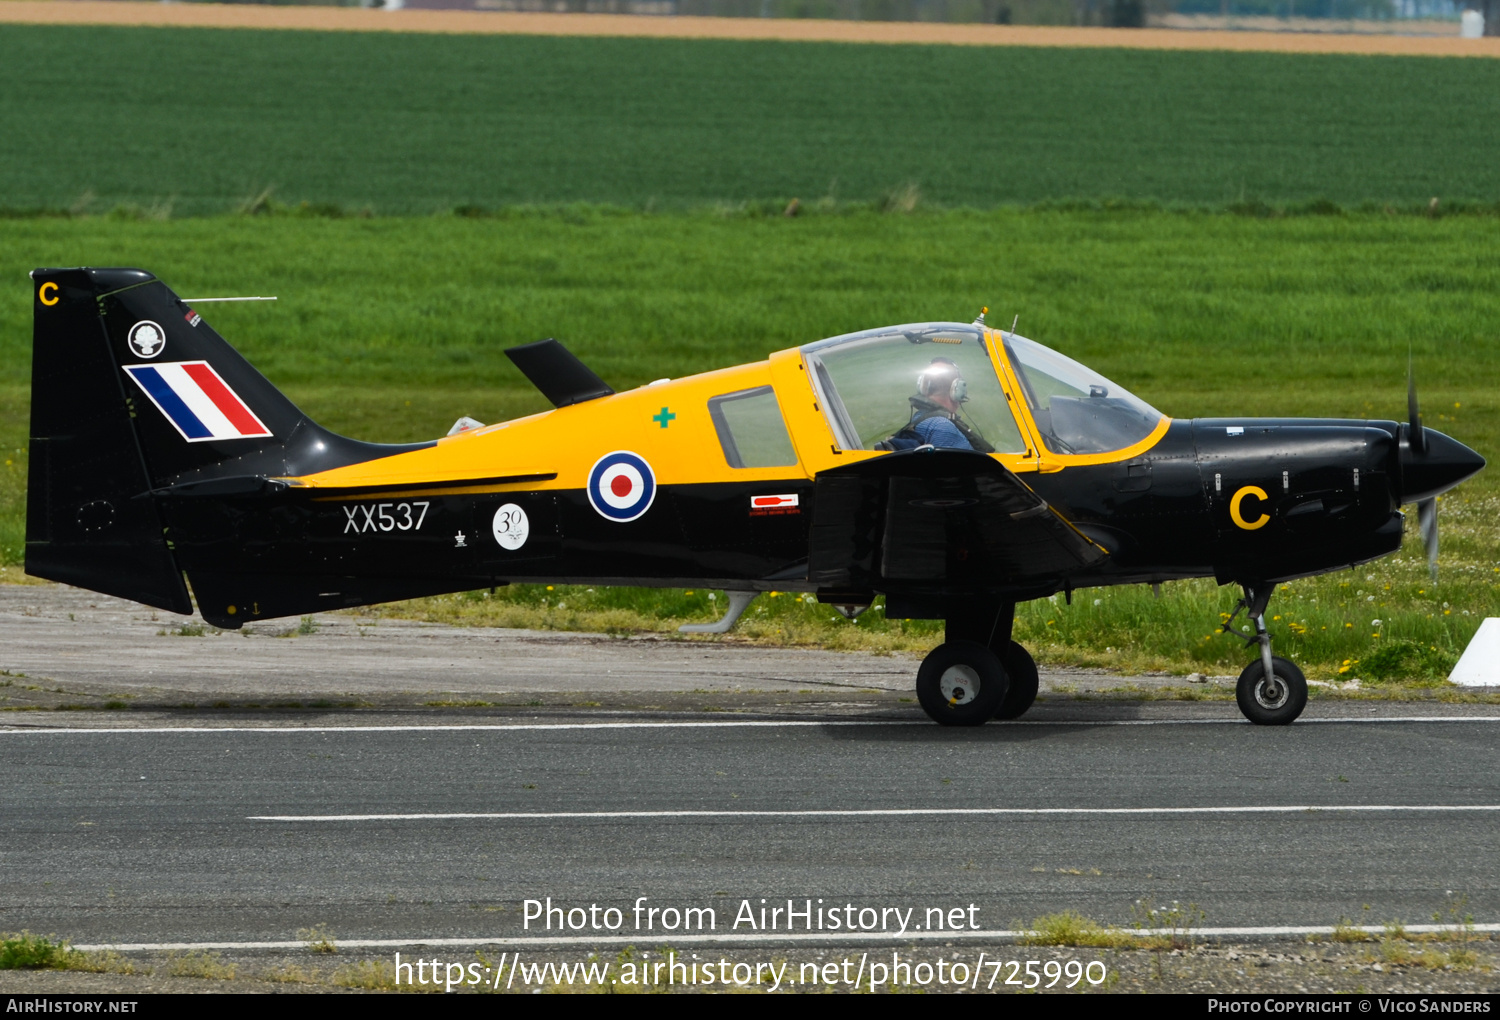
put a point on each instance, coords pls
(942, 433)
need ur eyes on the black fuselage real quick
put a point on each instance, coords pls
(1241, 500)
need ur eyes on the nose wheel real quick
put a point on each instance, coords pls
(1275, 700)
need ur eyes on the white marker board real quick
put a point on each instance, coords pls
(1479, 666)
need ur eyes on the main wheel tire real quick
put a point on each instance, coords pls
(1020, 670)
(961, 683)
(1276, 703)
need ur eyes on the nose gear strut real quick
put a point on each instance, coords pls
(1257, 597)
(1272, 691)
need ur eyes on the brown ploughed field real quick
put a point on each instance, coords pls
(128, 12)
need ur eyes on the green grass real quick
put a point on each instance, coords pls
(201, 120)
(25, 951)
(1070, 928)
(389, 329)
(1195, 311)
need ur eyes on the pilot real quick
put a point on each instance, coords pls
(935, 420)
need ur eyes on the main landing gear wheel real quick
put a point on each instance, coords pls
(1273, 702)
(1020, 669)
(961, 683)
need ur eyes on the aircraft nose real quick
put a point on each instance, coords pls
(1445, 463)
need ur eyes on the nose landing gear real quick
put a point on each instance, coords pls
(1271, 691)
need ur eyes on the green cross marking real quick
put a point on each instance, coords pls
(664, 417)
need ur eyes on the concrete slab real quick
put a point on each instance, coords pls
(76, 638)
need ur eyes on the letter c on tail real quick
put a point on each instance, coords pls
(42, 294)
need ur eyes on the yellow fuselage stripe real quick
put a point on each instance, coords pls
(666, 423)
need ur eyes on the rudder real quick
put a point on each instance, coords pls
(85, 524)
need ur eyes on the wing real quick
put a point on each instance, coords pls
(938, 520)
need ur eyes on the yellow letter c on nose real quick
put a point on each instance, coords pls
(1234, 508)
(42, 294)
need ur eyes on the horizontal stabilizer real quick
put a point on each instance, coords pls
(558, 373)
(218, 488)
(416, 486)
(257, 485)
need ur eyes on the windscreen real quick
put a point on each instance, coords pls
(1076, 409)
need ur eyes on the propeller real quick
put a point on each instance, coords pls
(1416, 438)
(1427, 524)
(1415, 435)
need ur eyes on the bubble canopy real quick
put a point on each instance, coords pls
(874, 384)
(868, 387)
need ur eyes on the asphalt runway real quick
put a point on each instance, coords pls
(176, 834)
(229, 798)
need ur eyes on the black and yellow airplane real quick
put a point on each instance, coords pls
(954, 468)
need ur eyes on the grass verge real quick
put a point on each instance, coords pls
(25, 951)
(388, 329)
(1069, 928)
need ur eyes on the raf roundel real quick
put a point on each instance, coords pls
(621, 486)
(147, 339)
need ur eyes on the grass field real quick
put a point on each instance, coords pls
(199, 121)
(390, 328)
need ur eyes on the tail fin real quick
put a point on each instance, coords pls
(132, 392)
